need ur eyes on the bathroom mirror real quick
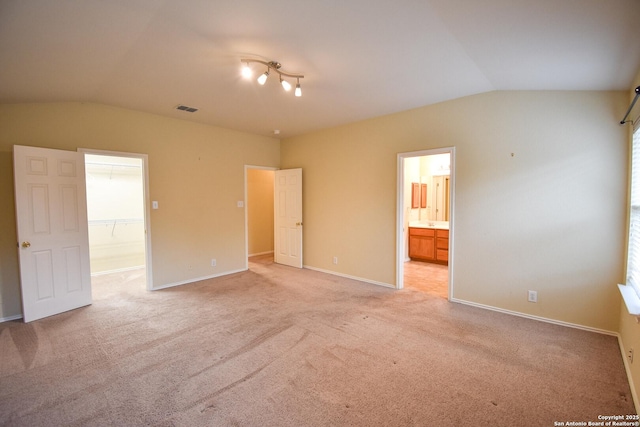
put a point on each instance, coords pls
(439, 198)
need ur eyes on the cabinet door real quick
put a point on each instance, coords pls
(422, 247)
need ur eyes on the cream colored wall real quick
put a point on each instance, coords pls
(539, 198)
(629, 327)
(260, 211)
(196, 173)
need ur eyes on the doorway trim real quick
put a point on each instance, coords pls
(400, 214)
(147, 203)
(246, 210)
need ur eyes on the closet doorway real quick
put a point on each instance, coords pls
(118, 219)
(259, 213)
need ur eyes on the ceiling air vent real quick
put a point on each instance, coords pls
(187, 109)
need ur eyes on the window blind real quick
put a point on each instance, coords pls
(633, 253)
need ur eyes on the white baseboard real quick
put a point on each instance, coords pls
(197, 279)
(360, 279)
(532, 317)
(474, 304)
(261, 253)
(483, 306)
(117, 270)
(10, 318)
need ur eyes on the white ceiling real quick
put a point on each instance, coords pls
(360, 58)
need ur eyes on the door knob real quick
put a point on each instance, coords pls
(26, 244)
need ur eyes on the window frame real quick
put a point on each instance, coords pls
(631, 291)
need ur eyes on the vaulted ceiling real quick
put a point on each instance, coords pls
(360, 58)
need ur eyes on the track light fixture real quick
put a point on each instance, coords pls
(275, 66)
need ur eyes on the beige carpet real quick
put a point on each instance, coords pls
(276, 346)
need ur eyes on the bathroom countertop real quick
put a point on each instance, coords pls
(440, 225)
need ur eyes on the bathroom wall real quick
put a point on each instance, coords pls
(412, 174)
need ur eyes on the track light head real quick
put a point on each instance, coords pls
(246, 71)
(263, 77)
(275, 66)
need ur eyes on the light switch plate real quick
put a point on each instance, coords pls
(154, 204)
(240, 204)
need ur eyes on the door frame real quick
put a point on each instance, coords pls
(246, 211)
(146, 200)
(400, 215)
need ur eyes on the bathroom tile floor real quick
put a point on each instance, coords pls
(427, 277)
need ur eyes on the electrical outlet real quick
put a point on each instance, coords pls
(213, 262)
(335, 260)
(532, 296)
(630, 356)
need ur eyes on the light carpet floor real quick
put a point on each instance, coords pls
(277, 346)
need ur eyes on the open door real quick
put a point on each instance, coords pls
(288, 217)
(53, 245)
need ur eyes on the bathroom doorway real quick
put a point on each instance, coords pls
(425, 221)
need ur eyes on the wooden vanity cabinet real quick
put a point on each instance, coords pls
(442, 246)
(422, 243)
(429, 244)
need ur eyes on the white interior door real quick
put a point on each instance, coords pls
(53, 245)
(288, 217)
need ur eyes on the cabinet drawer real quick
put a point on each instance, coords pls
(442, 243)
(429, 232)
(442, 233)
